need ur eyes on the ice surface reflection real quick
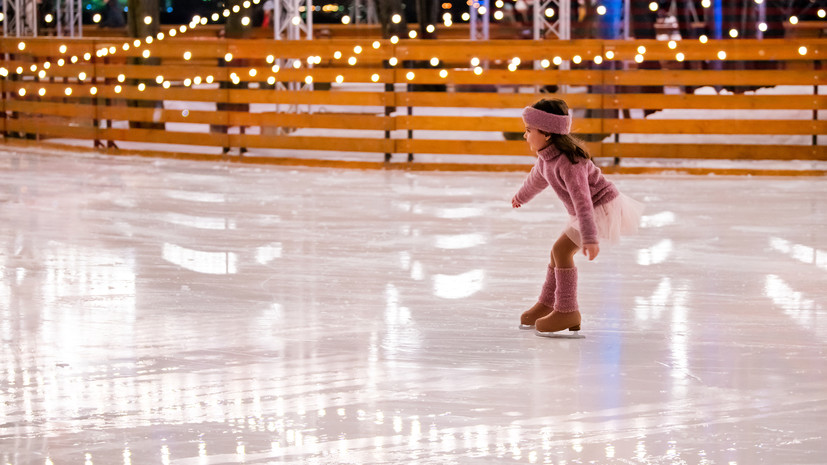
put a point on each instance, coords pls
(459, 241)
(193, 196)
(658, 253)
(458, 286)
(658, 220)
(804, 311)
(200, 261)
(200, 222)
(311, 325)
(800, 252)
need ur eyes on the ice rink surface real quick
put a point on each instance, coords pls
(194, 313)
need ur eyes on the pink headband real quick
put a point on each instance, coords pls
(547, 122)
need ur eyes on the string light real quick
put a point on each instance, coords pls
(376, 44)
(443, 74)
(410, 75)
(610, 54)
(672, 44)
(21, 92)
(187, 55)
(308, 80)
(477, 70)
(68, 91)
(121, 78)
(703, 39)
(639, 58)
(394, 39)
(679, 56)
(653, 6)
(802, 50)
(412, 34)
(396, 19)
(598, 59)
(340, 79)
(641, 49)
(721, 55)
(118, 89)
(545, 63)
(345, 19)
(351, 61)
(393, 61)
(733, 33)
(141, 87)
(557, 61)
(93, 90)
(601, 10)
(374, 77)
(475, 61)
(357, 49)
(41, 92)
(793, 19)
(434, 61)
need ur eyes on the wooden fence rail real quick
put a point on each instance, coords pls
(421, 97)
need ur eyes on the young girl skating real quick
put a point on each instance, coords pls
(596, 208)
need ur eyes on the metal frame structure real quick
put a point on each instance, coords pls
(289, 25)
(20, 18)
(479, 22)
(371, 17)
(559, 24)
(69, 18)
(287, 20)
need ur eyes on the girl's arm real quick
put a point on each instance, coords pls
(575, 178)
(534, 184)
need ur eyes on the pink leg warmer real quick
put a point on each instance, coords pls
(566, 293)
(547, 293)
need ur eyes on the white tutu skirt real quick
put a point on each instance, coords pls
(616, 218)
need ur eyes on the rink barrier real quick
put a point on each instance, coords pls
(473, 97)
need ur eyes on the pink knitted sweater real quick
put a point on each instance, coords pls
(580, 186)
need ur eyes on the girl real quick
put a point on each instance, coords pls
(597, 211)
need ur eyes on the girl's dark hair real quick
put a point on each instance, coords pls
(571, 147)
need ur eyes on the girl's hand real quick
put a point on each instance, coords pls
(591, 251)
(514, 203)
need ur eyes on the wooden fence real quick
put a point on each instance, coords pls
(71, 90)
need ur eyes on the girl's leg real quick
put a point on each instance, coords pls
(566, 314)
(545, 303)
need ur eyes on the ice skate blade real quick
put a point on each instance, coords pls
(561, 335)
(526, 327)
